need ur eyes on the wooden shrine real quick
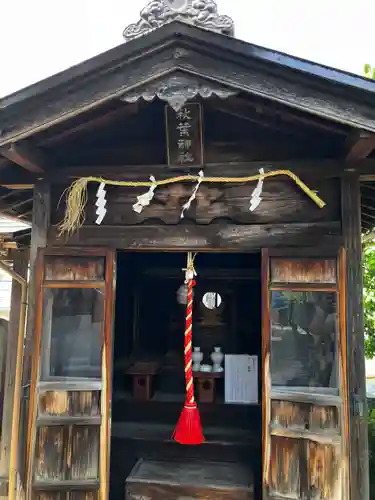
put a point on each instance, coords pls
(186, 139)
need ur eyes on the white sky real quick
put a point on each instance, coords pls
(41, 37)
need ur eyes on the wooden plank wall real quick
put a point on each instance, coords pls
(305, 450)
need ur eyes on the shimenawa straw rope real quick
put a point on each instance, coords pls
(77, 197)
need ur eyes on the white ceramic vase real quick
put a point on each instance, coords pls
(197, 359)
(217, 358)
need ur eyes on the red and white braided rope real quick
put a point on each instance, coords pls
(188, 350)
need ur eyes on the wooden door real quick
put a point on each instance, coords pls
(70, 405)
(304, 391)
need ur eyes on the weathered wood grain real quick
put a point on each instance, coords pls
(160, 480)
(51, 450)
(66, 495)
(355, 363)
(66, 453)
(314, 169)
(69, 403)
(50, 495)
(215, 236)
(324, 419)
(304, 469)
(303, 271)
(309, 168)
(285, 469)
(84, 495)
(73, 268)
(84, 461)
(305, 417)
(323, 472)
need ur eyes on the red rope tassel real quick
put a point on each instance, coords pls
(189, 429)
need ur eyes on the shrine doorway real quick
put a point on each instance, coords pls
(148, 374)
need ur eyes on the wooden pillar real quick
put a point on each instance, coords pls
(356, 380)
(40, 226)
(20, 266)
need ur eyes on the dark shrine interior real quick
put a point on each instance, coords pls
(149, 333)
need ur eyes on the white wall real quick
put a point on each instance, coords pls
(5, 293)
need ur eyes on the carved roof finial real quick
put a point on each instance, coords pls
(200, 13)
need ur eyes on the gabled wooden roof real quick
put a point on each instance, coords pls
(303, 85)
(327, 99)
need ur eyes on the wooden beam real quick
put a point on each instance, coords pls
(26, 156)
(237, 110)
(324, 169)
(11, 194)
(295, 119)
(15, 210)
(20, 203)
(102, 120)
(360, 146)
(19, 186)
(355, 362)
(16, 179)
(202, 237)
(12, 205)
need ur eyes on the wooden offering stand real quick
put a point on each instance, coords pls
(143, 373)
(206, 384)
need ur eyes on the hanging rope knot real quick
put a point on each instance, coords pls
(190, 271)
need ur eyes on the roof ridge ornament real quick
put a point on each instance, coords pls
(200, 13)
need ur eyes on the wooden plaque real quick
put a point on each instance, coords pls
(184, 134)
